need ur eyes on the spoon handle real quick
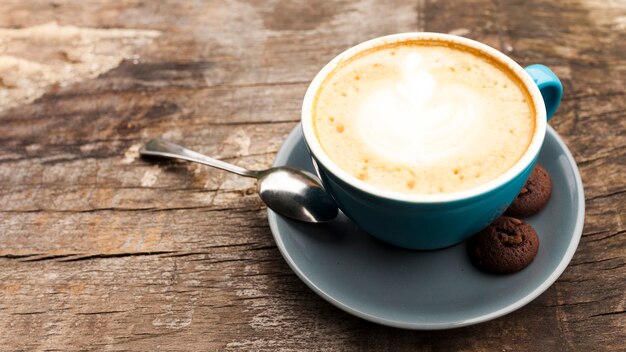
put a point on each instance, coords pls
(162, 148)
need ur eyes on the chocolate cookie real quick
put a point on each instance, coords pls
(534, 195)
(506, 246)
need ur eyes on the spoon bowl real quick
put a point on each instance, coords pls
(296, 194)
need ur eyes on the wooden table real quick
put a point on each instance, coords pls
(102, 250)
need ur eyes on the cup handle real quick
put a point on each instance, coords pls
(549, 85)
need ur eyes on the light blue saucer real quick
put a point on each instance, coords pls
(428, 290)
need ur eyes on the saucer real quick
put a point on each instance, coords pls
(428, 290)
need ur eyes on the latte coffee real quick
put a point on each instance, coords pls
(424, 116)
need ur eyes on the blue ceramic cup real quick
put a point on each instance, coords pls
(431, 221)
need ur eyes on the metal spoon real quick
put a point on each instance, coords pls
(294, 193)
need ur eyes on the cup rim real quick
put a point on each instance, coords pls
(522, 163)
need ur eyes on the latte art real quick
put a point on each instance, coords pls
(419, 120)
(423, 117)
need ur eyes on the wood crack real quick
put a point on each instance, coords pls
(79, 256)
(608, 314)
(45, 257)
(76, 258)
(595, 261)
(206, 208)
(101, 312)
(610, 235)
(607, 195)
(262, 122)
(578, 303)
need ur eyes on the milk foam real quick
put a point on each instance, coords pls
(418, 119)
(423, 118)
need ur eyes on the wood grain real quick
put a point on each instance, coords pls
(102, 250)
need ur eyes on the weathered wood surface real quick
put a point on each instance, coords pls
(102, 250)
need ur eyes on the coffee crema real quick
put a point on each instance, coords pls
(423, 117)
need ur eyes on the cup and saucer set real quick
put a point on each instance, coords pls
(401, 260)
